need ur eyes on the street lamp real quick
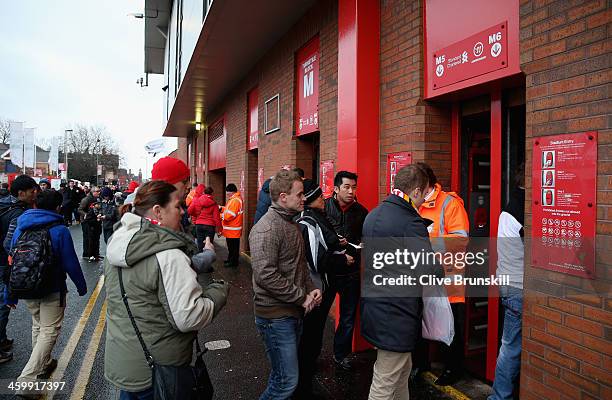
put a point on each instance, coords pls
(97, 161)
(66, 151)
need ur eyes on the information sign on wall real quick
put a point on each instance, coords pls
(564, 205)
(327, 178)
(395, 162)
(307, 88)
(479, 54)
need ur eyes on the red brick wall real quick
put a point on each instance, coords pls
(567, 323)
(407, 123)
(275, 73)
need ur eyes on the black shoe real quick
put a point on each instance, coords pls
(48, 370)
(343, 364)
(5, 357)
(6, 344)
(448, 378)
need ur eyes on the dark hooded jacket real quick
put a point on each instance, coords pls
(264, 201)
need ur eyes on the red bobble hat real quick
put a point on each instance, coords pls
(133, 185)
(170, 170)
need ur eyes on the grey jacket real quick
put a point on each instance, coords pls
(281, 279)
(167, 302)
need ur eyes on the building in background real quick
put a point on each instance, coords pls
(468, 87)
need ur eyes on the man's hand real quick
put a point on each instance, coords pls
(316, 297)
(343, 241)
(308, 303)
(349, 260)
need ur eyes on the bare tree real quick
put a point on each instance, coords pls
(5, 133)
(86, 146)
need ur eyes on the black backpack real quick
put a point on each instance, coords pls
(33, 267)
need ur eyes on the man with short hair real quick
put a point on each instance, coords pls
(44, 184)
(391, 319)
(231, 219)
(347, 217)
(283, 289)
(23, 193)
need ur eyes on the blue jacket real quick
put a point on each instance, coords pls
(63, 247)
(264, 201)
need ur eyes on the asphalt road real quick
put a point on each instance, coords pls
(239, 372)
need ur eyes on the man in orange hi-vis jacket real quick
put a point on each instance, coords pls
(450, 220)
(231, 216)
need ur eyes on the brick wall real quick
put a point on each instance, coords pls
(275, 73)
(407, 123)
(567, 323)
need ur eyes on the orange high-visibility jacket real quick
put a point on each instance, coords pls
(190, 197)
(450, 220)
(231, 216)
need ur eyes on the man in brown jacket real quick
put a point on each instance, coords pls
(283, 289)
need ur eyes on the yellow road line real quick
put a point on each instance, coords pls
(449, 390)
(64, 359)
(90, 356)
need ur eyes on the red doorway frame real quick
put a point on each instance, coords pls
(494, 210)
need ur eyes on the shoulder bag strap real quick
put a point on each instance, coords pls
(148, 356)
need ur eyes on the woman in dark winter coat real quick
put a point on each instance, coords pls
(204, 212)
(108, 213)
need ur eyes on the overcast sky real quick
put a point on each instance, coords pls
(77, 61)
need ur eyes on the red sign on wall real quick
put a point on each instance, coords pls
(327, 178)
(307, 91)
(253, 120)
(395, 162)
(564, 203)
(477, 55)
(216, 146)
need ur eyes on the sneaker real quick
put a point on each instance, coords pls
(5, 356)
(344, 364)
(448, 378)
(46, 374)
(6, 344)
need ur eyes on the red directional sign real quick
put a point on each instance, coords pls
(479, 54)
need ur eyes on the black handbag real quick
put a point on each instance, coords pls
(174, 382)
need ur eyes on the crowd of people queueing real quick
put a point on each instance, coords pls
(305, 250)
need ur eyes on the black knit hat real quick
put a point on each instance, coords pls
(312, 191)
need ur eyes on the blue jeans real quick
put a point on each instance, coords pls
(146, 394)
(281, 337)
(509, 358)
(4, 309)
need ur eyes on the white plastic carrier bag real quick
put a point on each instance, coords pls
(438, 322)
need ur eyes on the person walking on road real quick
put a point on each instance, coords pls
(91, 225)
(204, 212)
(149, 256)
(231, 217)
(108, 213)
(284, 291)
(22, 197)
(347, 217)
(48, 310)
